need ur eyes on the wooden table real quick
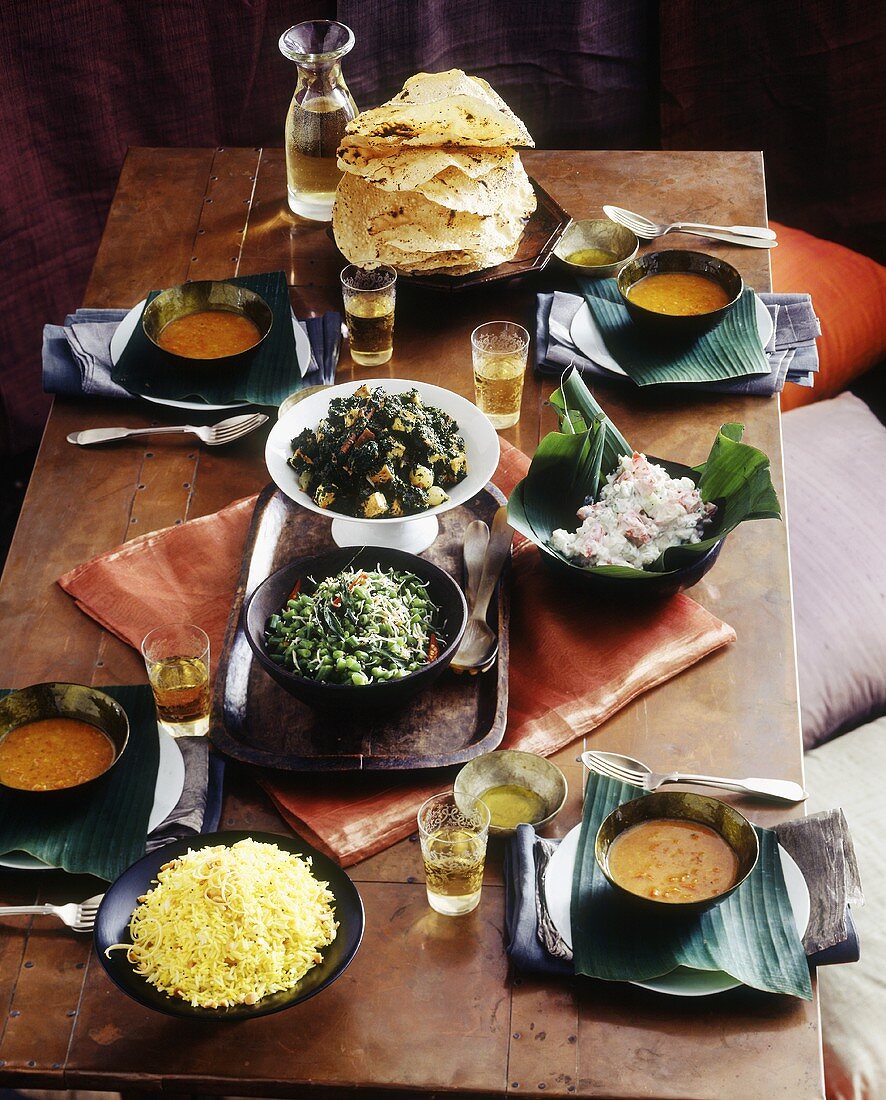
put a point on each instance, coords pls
(428, 1006)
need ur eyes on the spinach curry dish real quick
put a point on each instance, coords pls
(379, 454)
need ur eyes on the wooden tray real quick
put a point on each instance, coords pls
(256, 721)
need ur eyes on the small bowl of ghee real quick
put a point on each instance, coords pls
(518, 788)
(596, 248)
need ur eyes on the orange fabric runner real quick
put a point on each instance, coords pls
(571, 668)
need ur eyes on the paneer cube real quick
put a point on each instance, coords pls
(436, 496)
(375, 505)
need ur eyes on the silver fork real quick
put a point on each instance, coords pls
(213, 435)
(628, 770)
(750, 235)
(80, 917)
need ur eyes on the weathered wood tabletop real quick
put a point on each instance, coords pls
(428, 1006)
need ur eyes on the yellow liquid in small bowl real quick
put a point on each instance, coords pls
(591, 257)
(511, 805)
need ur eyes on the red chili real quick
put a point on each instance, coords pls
(295, 590)
(433, 648)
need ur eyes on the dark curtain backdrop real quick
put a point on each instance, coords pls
(84, 79)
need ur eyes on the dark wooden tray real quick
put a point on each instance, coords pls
(256, 721)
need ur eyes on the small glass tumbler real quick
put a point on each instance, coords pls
(369, 297)
(499, 350)
(453, 850)
(177, 660)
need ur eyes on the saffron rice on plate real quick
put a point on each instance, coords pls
(229, 925)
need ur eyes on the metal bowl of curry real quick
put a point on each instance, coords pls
(207, 323)
(59, 738)
(678, 293)
(675, 852)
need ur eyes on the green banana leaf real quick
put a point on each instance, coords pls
(570, 466)
(751, 935)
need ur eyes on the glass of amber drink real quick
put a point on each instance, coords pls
(499, 350)
(453, 850)
(177, 660)
(369, 298)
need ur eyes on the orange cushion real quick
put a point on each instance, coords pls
(849, 295)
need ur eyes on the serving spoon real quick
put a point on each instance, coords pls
(750, 235)
(479, 643)
(629, 770)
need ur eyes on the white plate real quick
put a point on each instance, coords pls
(127, 326)
(586, 336)
(684, 981)
(410, 533)
(167, 792)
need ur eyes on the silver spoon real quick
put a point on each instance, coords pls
(479, 644)
(629, 770)
(213, 435)
(749, 235)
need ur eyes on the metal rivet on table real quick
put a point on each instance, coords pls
(79, 966)
(516, 1034)
(149, 454)
(571, 1039)
(32, 1063)
(56, 1065)
(186, 484)
(177, 522)
(71, 1012)
(15, 1012)
(28, 965)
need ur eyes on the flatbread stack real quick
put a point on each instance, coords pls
(432, 181)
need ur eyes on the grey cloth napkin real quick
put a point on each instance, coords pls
(820, 844)
(199, 807)
(791, 351)
(77, 354)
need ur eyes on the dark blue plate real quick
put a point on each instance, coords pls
(112, 926)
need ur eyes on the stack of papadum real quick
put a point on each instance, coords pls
(432, 181)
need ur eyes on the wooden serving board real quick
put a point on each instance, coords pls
(256, 721)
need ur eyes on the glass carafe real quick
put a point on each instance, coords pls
(321, 108)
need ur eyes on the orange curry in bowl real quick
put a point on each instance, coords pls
(209, 334)
(672, 860)
(51, 754)
(678, 293)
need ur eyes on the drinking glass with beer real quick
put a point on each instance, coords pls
(369, 297)
(453, 848)
(177, 660)
(499, 350)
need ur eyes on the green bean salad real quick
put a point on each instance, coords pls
(358, 627)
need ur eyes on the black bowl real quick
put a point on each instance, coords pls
(654, 586)
(60, 700)
(671, 326)
(724, 819)
(115, 911)
(271, 595)
(206, 294)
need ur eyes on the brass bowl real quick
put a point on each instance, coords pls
(672, 325)
(510, 766)
(732, 826)
(59, 700)
(597, 233)
(206, 294)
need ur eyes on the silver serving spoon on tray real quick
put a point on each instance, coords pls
(479, 645)
(628, 770)
(749, 235)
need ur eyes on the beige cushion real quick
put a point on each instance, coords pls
(848, 772)
(835, 470)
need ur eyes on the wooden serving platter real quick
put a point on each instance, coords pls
(256, 721)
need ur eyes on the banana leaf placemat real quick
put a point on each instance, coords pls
(104, 833)
(269, 377)
(751, 935)
(732, 350)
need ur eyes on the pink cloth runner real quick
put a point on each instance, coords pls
(570, 669)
